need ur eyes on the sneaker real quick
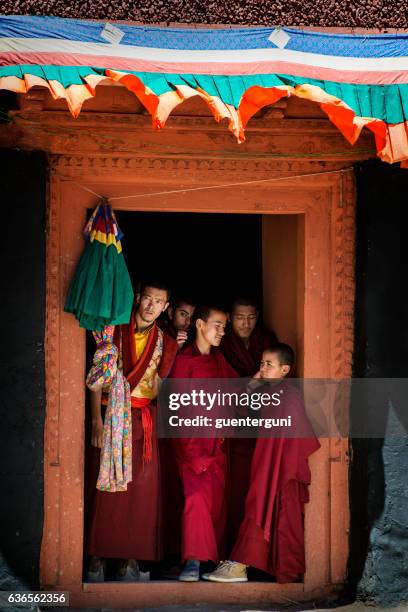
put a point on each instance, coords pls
(191, 571)
(228, 571)
(96, 571)
(128, 571)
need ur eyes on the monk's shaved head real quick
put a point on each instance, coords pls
(204, 311)
(243, 301)
(155, 284)
(284, 352)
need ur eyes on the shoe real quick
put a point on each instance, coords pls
(128, 571)
(170, 572)
(191, 571)
(96, 571)
(228, 571)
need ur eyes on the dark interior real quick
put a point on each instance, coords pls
(210, 257)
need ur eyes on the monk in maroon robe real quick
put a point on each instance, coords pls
(179, 326)
(271, 536)
(201, 461)
(242, 346)
(126, 524)
(180, 317)
(244, 340)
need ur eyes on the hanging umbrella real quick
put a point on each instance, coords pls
(101, 292)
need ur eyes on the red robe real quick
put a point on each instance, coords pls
(202, 466)
(271, 536)
(246, 362)
(127, 524)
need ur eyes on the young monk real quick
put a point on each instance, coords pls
(180, 316)
(271, 536)
(179, 326)
(202, 462)
(125, 524)
(244, 338)
(242, 346)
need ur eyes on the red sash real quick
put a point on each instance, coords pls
(143, 403)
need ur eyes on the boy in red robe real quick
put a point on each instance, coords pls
(125, 524)
(201, 461)
(271, 536)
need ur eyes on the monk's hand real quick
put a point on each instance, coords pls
(97, 433)
(181, 338)
(255, 382)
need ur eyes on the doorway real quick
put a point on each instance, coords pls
(211, 258)
(318, 214)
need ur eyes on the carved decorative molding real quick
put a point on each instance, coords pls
(343, 296)
(269, 120)
(343, 288)
(349, 198)
(52, 318)
(67, 165)
(49, 558)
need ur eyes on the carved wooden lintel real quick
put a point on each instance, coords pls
(267, 136)
(32, 101)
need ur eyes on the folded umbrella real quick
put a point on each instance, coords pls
(101, 291)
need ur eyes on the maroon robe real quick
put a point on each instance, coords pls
(202, 466)
(171, 487)
(246, 362)
(271, 536)
(127, 524)
(168, 328)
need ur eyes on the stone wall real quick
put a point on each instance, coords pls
(22, 404)
(321, 13)
(378, 568)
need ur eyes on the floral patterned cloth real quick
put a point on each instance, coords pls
(116, 454)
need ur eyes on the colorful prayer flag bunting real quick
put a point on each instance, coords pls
(358, 81)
